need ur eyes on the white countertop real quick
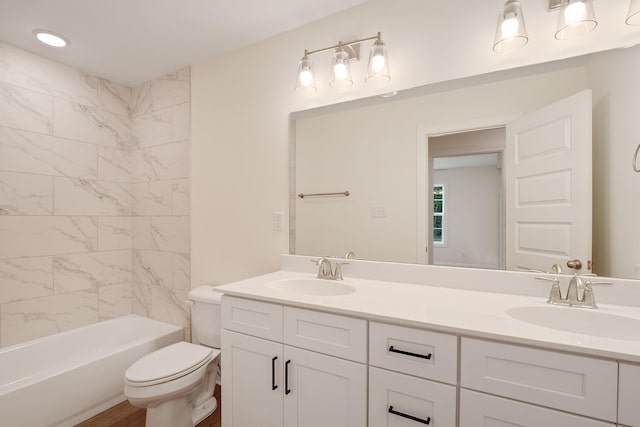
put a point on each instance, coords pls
(464, 312)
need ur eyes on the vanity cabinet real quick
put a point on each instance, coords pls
(581, 385)
(629, 395)
(284, 366)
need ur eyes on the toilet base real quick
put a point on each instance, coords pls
(204, 410)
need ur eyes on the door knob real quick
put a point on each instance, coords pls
(576, 264)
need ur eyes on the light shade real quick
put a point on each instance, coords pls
(378, 69)
(306, 81)
(340, 69)
(511, 32)
(633, 17)
(50, 38)
(576, 19)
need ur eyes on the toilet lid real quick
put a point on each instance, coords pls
(168, 363)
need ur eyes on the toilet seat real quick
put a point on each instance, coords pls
(167, 364)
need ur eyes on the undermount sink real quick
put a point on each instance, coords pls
(579, 321)
(308, 286)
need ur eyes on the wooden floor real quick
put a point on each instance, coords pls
(125, 415)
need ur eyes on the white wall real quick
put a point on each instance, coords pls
(471, 218)
(241, 103)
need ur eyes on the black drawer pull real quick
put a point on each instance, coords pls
(273, 373)
(408, 353)
(286, 377)
(410, 417)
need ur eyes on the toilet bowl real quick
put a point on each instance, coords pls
(176, 383)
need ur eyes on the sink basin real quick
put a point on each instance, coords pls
(579, 321)
(306, 286)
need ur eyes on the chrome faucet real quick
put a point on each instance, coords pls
(325, 271)
(579, 294)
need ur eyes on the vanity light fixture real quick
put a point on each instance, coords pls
(633, 17)
(344, 54)
(576, 18)
(50, 38)
(511, 33)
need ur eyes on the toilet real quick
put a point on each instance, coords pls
(176, 383)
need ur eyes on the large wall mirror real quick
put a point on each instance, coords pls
(428, 176)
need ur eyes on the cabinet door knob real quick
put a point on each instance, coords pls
(409, 417)
(408, 353)
(286, 377)
(273, 373)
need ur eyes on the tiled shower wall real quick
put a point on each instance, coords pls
(82, 161)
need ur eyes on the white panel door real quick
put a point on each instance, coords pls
(548, 185)
(252, 381)
(322, 391)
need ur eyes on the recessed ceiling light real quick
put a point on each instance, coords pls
(50, 38)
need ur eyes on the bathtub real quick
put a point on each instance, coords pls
(63, 379)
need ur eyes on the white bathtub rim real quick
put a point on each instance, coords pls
(73, 363)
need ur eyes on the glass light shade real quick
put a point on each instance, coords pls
(511, 32)
(633, 17)
(378, 69)
(306, 81)
(576, 19)
(340, 70)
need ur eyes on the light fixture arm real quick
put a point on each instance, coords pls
(341, 44)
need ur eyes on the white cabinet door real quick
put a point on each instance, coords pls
(477, 409)
(629, 392)
(322, 391)
(253, 381)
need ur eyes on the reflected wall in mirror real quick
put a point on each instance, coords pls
(369, 147)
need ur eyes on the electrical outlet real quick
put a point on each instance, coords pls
(278, 220)
(377, 212)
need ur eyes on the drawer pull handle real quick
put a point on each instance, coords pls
(410, 417)
(286, 377)
(273, 373)
(408, 353)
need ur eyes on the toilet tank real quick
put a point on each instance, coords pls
(206, 322)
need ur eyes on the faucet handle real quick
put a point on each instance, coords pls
(555, 295)
(337, 274)
(589, 299)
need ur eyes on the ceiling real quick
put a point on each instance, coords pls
(132, 41)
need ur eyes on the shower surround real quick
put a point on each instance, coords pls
(94, 197)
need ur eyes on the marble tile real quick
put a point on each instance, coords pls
(141, 233)
(87, 197)
(25, 194)
(114, 164)
(152, 129)
(42, 154)
(114, 233)
(181, 120)
(180, 197)
(114, 97)
(115, 301)
(76, 272)
(34, 318)
(25, 278)
(181, 272)
(23, 236)
(21, 68)
(170, 306)
(167, 91)
(152, 198)
(169, 161)
(25, 110)
(171, 233)
(142, 299)
(82, 123)
(153, 268)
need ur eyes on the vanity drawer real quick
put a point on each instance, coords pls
(577, 384)
(257, 318)
(629, 395)
(410, 396)
(331, 334)
(431, 355)
(477, 409)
